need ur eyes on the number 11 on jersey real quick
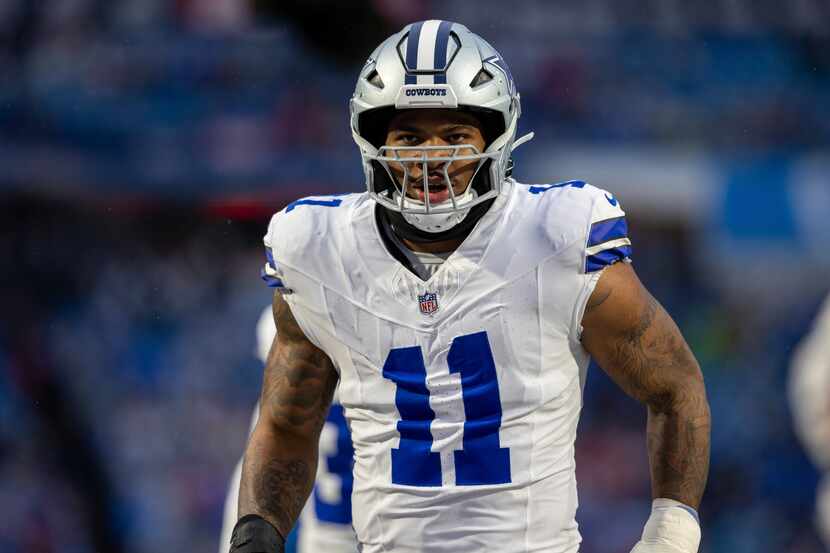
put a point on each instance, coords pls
(482, 460)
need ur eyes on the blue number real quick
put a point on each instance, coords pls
(412, 463)
(482, 460)
(334, 503)
(329, 203)
(540, 189)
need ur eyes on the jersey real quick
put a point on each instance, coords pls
(462, 392)
(423, 264)
(326, 520)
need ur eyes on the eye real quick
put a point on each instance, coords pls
(457, 137)
(408, 139)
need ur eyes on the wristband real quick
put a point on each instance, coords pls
(672, 526)
(663, 503)
(254, 534)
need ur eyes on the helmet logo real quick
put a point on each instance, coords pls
(499, 62)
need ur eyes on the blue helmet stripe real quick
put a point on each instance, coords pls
(441, 41)
(412, 52)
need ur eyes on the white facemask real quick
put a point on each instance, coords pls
(436, 222)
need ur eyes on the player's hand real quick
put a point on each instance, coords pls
(671, 528)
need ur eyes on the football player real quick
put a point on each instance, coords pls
(458, 310)
(810, 401)
(326, 520)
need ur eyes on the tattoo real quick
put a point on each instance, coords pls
(646, 354)
(281, 457)
(641, 348)
(678, 450)
(280, 489)
(299, 378)
(678, 420)
(601, 297)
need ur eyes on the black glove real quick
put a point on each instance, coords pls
(254, 534)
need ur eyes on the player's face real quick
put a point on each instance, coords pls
(435, 127)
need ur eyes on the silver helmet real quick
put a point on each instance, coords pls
(435, 64)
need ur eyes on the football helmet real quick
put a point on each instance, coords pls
(435, 64)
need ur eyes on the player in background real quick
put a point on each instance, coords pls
(456, 311)
(810, 401)
(326, 522)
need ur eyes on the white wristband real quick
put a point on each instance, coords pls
(672, 528)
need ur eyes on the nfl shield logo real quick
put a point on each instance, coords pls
(428, 303)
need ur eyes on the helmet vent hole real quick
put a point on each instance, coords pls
(374, 79)
(481, 77)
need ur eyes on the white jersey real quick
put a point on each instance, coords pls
(462, 392)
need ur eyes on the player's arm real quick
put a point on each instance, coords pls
(281, 455)
(635, 341)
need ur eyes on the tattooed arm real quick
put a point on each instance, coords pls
(636, 342)
(281, 456)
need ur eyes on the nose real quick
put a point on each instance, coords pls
(437, 141)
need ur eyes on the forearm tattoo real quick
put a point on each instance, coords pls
(648, 357)
(280, 491)
(667, 379)
(678, 450)
(281, 458)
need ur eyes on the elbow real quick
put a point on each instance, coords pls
(289, 428)
(685, 398)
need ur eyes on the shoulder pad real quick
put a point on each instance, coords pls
(302, 229)
(590, 219)
(607, 238)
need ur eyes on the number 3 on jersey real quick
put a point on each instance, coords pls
(482, 460)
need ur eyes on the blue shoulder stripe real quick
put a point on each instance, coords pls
(546, 187)
(270, 256)
(605, 258)
(329, 203)
(271, 267)
(271, 281)
(609, 229)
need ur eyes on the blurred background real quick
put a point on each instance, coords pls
(144, 143)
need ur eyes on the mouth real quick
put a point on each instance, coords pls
(438, 191)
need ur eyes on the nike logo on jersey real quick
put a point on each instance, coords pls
(611, 200)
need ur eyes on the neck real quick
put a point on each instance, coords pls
(443, 246)
(416, 242)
